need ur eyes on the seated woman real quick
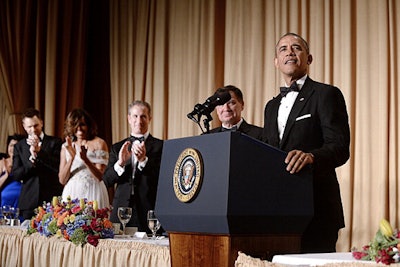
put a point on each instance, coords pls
(83, 159)
(9, 188)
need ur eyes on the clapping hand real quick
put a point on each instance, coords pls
(69, 147)
(140, 150)
(33, 140)
(83, 153)
(124, 154)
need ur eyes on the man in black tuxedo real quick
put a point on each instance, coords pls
(35, 164)
(230, 114)
(134, 166)
(309, 121)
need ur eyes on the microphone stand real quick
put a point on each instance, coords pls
(206, 122)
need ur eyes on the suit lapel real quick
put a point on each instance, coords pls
(44, 143)
(304, 95)
(149, 144)
(273, 129)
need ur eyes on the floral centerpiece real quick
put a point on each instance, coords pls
(79, 221)
(384, 248)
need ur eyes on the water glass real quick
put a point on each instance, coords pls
(124, 215)
(153, 223)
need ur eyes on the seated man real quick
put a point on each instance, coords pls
(230, 114)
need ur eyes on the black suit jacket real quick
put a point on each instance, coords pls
(145, 182)
(40, 180)
(246, 128)
(317, 123)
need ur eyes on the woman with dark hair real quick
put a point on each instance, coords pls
(83, 159)
(10, 189)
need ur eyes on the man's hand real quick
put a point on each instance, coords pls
(140, 150)
(124, 154)
(297, 159)
(34, 141)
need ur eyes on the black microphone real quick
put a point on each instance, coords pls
(210, 104)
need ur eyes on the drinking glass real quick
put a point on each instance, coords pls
(2, 219)
(153, 223)
(124, 215)
(6, 209)
(14, 216)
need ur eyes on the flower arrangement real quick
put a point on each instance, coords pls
(384, 248)
(79, 221)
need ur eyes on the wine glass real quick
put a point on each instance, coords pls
(14, 216)
(153, 223)
(6, 209)
(124, 215)
(2, 219)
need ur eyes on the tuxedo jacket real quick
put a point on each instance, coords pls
(317, 123)
(40, 180)
(145, 182)
(246, 128)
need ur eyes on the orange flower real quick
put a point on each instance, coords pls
(60, 219)
(107, 223)
(40, 214)
(57, 210)
(65, 234)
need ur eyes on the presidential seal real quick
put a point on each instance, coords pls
(188, 175)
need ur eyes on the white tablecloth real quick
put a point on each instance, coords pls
(316, 259)
(17, 249)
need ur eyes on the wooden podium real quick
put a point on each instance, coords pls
(245, 200)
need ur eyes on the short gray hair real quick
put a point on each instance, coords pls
(139, 103)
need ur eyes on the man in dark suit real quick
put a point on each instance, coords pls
(134, 166)
(230, 114)
(309, 121)
(35, 164)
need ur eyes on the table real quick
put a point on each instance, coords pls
(19, 250)
(316, 259)
(339, 259)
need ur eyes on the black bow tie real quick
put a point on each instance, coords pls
(286, 90)
(233, 129)
(134, 138)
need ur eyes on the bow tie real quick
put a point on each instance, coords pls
(233, 129)
(134, 138)
(286, 90)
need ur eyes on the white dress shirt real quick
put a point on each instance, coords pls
(286, 106)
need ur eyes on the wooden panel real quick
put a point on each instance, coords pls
(191, 249)
(199, 250)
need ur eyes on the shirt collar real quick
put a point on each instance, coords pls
(140, 135)
(237, 125)
(300, 82)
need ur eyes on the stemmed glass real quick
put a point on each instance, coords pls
(6, 209)
(14, 216)
(153, 223)
(124, 215)
(2, 219)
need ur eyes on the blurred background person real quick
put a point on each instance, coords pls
(230, 114)
(10, 189)
(134, 167)
(83, 159)
(35, 164)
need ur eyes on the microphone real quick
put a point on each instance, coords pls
(209, 105)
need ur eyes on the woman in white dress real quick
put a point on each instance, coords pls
(83, 159)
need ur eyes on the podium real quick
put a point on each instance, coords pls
(245, 200)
